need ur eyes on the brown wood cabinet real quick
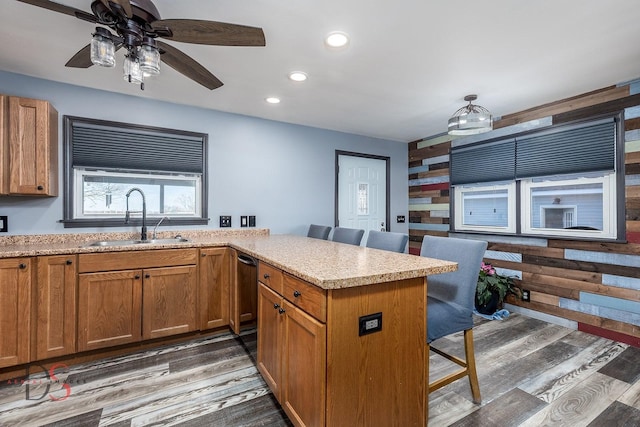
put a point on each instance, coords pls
(215, 279)
(292, 354)
(323, 371)
(29, 147)
(156, 299)
(15, 302)
(169, 301)
(55, 306)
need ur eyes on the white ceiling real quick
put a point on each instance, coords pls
(406, 70)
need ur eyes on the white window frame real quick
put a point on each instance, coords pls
(609, 200)
(460, 190)
(80, 173)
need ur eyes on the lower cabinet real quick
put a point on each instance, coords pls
(169, 301)
(213, 288)
(292, 357)
(109, 309)
(55, 306)
(125, 306)
(15, 313)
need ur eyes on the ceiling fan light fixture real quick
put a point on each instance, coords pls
(470, 119)
(131, 70)
(149, 57)
(103, 51)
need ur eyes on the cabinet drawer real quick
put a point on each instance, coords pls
(270, 276)
(109, 261)
(308, 297)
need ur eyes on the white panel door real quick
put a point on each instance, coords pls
(362, 190)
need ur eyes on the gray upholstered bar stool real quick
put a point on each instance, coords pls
(450, 303)
(388, 241)
(352, 236)
(319, 231)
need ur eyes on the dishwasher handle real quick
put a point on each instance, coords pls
(246, 259)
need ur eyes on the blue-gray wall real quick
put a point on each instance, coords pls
(284, 174)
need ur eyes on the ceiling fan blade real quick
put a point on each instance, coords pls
(57, 7)
(125, 5)
(186, 65)
(211, 32)
(82, 58)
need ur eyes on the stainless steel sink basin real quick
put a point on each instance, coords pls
(138, 242)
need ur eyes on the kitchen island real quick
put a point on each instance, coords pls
(341, 328)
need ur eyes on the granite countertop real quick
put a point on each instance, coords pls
(326, 264)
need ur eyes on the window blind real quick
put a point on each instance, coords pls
(121, 146)
(585, 147)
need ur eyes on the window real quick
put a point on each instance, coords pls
(560, 182)
(486, 207)
(573, 206)
(104, 160)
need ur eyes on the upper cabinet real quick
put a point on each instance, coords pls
(28, 147)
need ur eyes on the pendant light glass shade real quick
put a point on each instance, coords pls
(103, 51)
(131, 69)
(470, 119)
(149, 57)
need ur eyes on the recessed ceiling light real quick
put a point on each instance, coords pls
(337, 39)
(298, 76)
(272, 100)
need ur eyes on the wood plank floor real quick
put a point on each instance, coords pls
(532, 373)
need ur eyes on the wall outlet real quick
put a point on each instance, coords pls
(252, 220)
(369, 324)
(400, 219)
(225, 221)
(526, 295)
(4, 224)
(243, 221)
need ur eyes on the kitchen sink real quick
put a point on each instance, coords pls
(138, 242)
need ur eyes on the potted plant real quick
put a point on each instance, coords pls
(492, 289)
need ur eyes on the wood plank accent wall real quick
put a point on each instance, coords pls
(595, 284)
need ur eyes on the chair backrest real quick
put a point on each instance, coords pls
(352, 236)
(319, 231)
(387, 241)
(458, 286)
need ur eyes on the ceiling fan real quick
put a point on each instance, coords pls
(137, 25)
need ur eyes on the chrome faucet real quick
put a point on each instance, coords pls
(143, 233)
(154, 236)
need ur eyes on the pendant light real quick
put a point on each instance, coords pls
(470, 119)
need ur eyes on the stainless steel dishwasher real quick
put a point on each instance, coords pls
(247, 279)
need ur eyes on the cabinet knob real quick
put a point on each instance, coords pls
(276, 305)
(281, 310)
(266, 275)
(146, 276)
(204, 255)
(137, 276)
(40, 187)
(69, 262)
(22, 266)
(296, 294)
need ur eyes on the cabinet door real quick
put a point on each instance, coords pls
(304, 368)
(33, 152)
(214, 287)
(4, 144)
(169, 301)
(15, 296)
(109, 309)
(55, 328)
(270, 338)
